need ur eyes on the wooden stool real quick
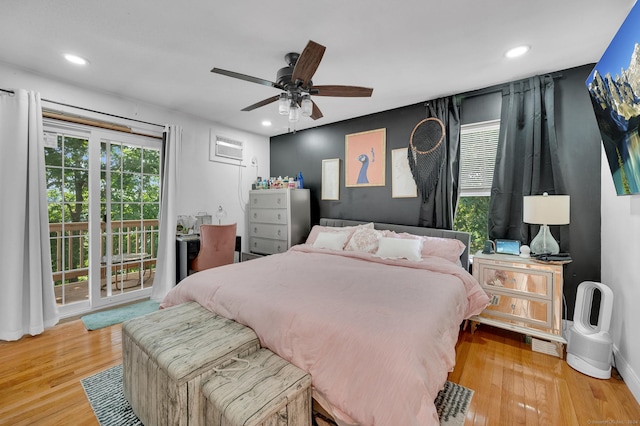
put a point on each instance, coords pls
(166, 355)
(260, 389)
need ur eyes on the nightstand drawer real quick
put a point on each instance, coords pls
(526, 296)
(519, 280)
(269, 216)
(518, 310)
(267, 246)
(269, 200)
(265, 230)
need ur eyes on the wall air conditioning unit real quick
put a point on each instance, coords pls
(228, 148)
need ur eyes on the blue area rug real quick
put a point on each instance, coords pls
(106, 396)
(118, 315)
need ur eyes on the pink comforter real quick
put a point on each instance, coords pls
(377, 337)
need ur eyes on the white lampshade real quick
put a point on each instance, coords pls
(546, 209)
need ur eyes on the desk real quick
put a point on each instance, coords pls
(187, 248)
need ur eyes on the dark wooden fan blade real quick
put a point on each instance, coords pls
(342, 91)
(261, 103)
(316, 113)
(307, 63)
(247, 78)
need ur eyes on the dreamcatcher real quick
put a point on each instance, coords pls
(426, 154)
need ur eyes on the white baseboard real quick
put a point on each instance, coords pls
(630, 377)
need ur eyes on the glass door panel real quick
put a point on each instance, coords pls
(67, 174)
(129, 206)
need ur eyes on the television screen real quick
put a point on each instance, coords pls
(614, 88)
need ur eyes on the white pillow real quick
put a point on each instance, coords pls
(398, 248)
(331, 240)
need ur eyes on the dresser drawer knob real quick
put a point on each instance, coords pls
(255, 230)
(279, 216)
(279, 232)
(279, 200)
(255, 215)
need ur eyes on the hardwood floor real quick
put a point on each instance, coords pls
(514, 385)
(40, 376)
(40, 380)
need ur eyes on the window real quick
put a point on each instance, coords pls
(478, 146)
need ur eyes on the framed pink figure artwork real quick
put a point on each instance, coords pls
(365, 155)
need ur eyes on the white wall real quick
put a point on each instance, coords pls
(204, 184)
(621, 272)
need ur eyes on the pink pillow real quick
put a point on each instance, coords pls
(365, 240)
(446, 248)
(313, 235)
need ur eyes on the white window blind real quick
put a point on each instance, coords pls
(478, 146)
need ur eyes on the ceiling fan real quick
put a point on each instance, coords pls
(295, 81)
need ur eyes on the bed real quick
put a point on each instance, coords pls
(371, 311)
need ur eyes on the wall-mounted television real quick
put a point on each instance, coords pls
(614, 87)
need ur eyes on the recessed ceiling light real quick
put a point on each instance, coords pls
(266, 123)
(517, 51)
(75, 59)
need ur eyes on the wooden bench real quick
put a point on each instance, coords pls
(168, 354)
(260, 389)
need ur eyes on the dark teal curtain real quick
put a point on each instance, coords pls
(438, 208)
(527, 161)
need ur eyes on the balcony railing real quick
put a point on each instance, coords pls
(133, 245)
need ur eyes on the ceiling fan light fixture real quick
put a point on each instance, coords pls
(283, 104)
(307, 106)
(294, 113)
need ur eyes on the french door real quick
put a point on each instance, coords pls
(104, 199)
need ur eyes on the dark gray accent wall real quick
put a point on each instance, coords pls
(580, 147)
(304, 151)
(578, 139)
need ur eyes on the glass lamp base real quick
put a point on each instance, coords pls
(544, 243)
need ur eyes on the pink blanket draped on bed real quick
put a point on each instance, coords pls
(377, 336)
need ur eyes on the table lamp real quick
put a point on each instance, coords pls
(220, 214)
(545, 210)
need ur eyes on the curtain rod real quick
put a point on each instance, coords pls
(93, 110)
(503, 86)
(47, 113)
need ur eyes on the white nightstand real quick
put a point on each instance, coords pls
(526, 296)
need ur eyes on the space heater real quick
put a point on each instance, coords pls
(590, 347)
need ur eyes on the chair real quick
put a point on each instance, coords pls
(217, 246)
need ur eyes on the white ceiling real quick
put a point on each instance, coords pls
(409, 51)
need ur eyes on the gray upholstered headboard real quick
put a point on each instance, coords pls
(415, 230)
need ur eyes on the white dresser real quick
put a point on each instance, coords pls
(526, 296)
(278, 219)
